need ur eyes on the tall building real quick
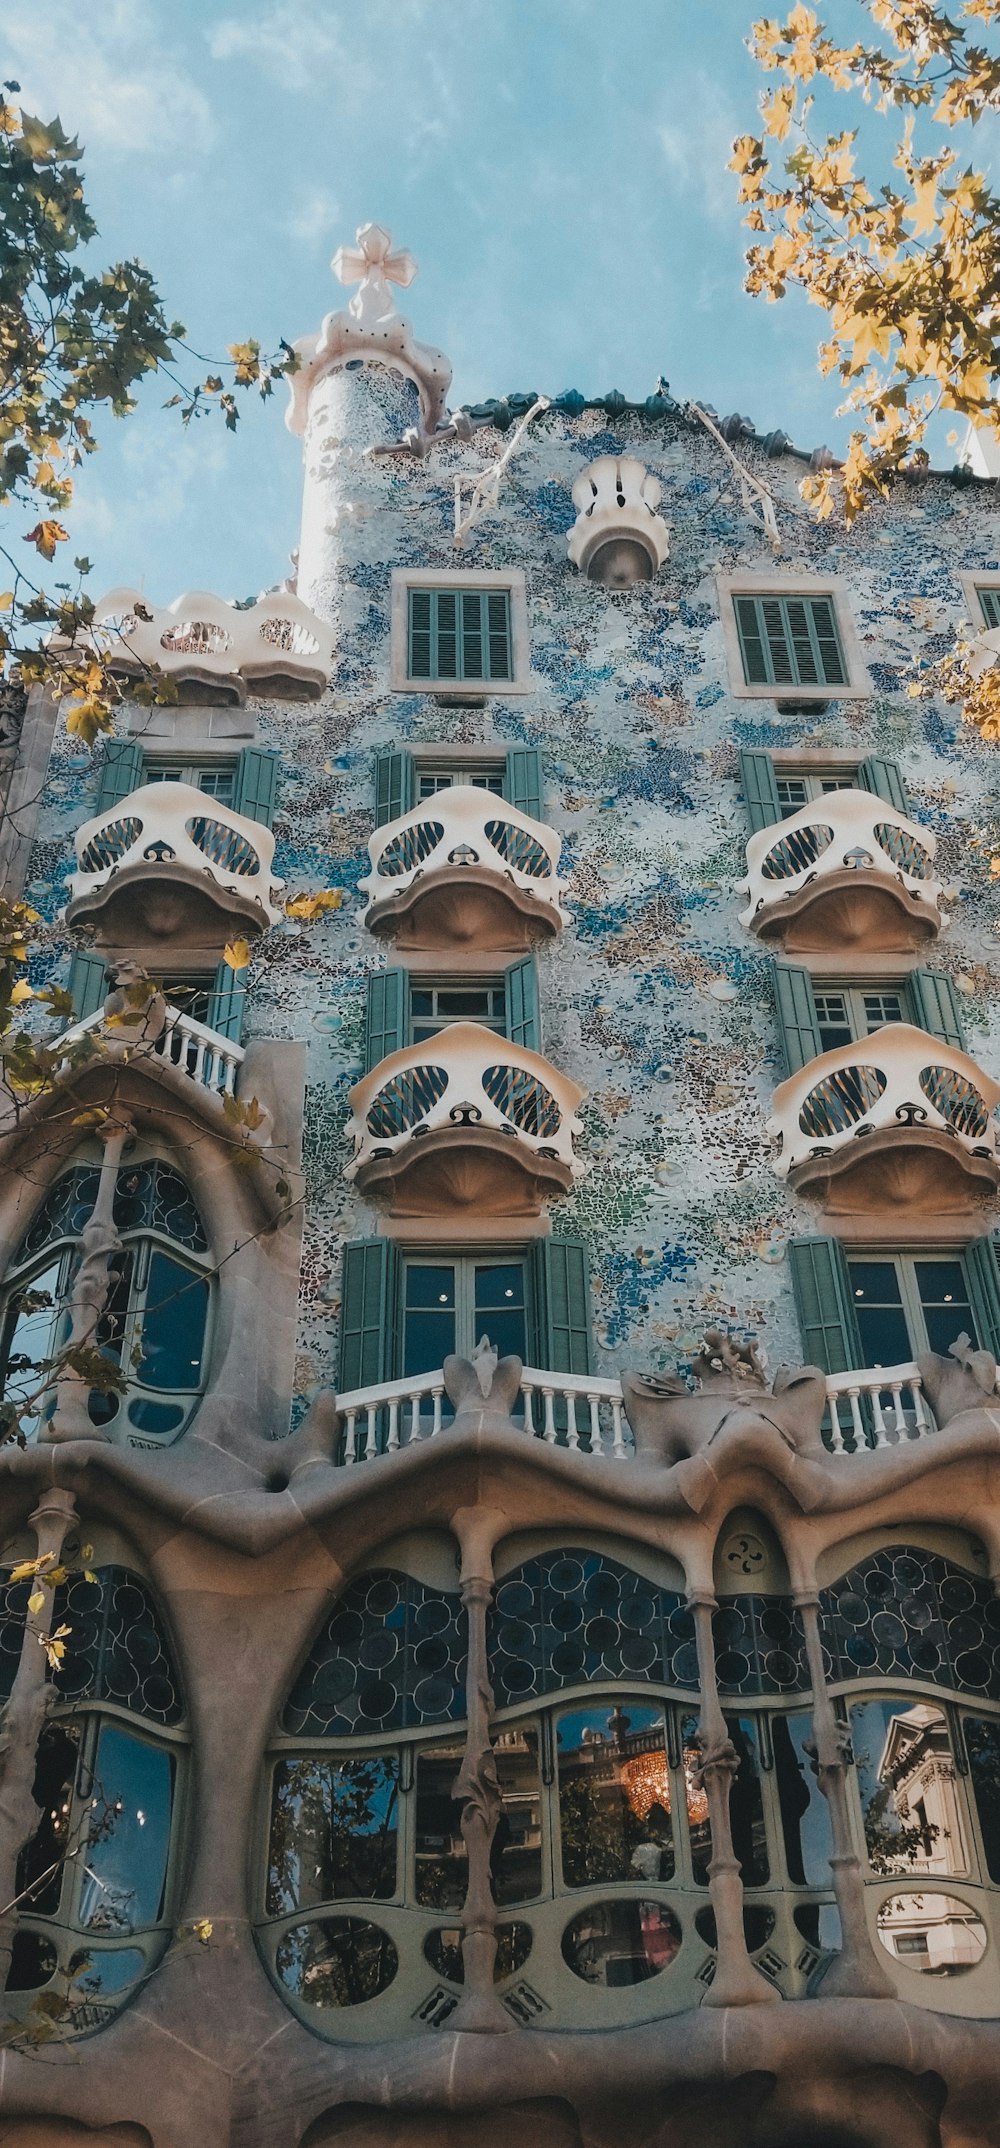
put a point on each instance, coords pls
(524, 1660)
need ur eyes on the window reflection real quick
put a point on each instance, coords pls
(125, 1867)
(909, 1792)
(516, 1854)
(982, 1743)
(340, 1961)
(614, 1796)
(616, 1943)
(333, 1831)
(746, 1804)
(441, 1859)
(805, 1814)
(935, 1933)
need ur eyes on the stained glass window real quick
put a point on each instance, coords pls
(904, 1613)
(390, 1656)
(575, 1617)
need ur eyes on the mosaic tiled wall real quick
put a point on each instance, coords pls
(655, 998)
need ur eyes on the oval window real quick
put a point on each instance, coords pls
(935, 1933)
(337, 1961)
(623, 1942)
(443, 1950)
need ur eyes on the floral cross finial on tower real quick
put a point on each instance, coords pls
(373, 266)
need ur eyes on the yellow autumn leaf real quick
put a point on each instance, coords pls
(923, 215)
(203, 1930)
(314, 905)
(237, 954)
(45, 536)
(22, 991)
(36, 1601)
(6, 600)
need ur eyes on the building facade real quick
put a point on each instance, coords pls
(524, 1656)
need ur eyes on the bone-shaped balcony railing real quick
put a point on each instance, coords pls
(277, 641)
(173, 826)
(842, 838)
(465, 1078)
(898, 1081)
(195, 1049)
(465, 831)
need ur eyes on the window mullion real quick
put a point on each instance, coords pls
(909, 1291)
(465, 1307)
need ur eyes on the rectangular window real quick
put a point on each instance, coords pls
(803, 789)
(216, 778)
(790, 642)
(989, 605)
(481, 778)
(846, 1013)
(449, 1305)
(434, 1006)
(459, 635)
(192, 995)
(906, 1304)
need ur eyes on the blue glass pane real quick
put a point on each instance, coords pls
(333, 1831)
(173, 1325)
(116, 1649)
(126, 1858)
(391, 1655)
(906, 1613)
(759, 1645)
(572, 1617)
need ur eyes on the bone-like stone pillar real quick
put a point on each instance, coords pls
(479, 1789)
(99, 1242)
(736, 1981)
(24, 1716)
(857, 1972)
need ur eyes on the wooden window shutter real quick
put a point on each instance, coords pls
(795, 1007)
(760, 790)
(256, 787)
(227, 1003)
(989, 605)
(790, 641)
(418, 634)
(560, 1304)
(121, 772)
(822, 1288)
(884, 778)
(369, 1314)
(89, 983)
(983, 1276)
(523, 780)
(496, 604)
(934, 1001)
(395, 785)
(386, 1015)
(520, 987)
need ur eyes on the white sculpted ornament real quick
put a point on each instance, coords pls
(373, 266)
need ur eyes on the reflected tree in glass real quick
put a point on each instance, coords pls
(614, 1796)
(333, 1831)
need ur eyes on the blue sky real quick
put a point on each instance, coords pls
(558, 168)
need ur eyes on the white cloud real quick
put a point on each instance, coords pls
(696, 145)
(108, 74)
(313, 215)
(294, 43)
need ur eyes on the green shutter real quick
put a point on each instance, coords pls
(418, 634)
(760, 789)
(89, 983)
(790, 641)
(121, 772)
(522, 783)
(369, 1314)
(395, 785)
(560, 1303)
(885, 780)
(227, 1003)
(458, 634)
(496, 604)
(822, 1288)
(989, 605)
(256, 786)
(520, 986)
(386, 1015)
(795, 1007)
(474, 655)
(934, 1001)
(983, 1277)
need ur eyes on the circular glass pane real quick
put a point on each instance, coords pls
(621, 1942)
(338, 1961)
(935, 1933)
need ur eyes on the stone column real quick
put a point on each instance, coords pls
(345, 488)
(736, 1981)
(479, 1789)
(23, 1718)
(99, 1242)
(857, 1972)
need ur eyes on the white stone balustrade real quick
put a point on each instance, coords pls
(846, 870)
(198, 1051)
(583, 1413)
(464, 868)
(275, 647)
(898, 1084)
(173, 832)
(424, 1115)
(618, 537)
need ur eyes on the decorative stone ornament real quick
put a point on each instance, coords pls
(618, 538)
(175, 864)
(371, 327)
(846, 871)
(218, 651)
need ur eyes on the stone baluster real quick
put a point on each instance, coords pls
(857, 1971)
(737, 1982)
(479, 1790)
(23, 1719)
(99, 1242)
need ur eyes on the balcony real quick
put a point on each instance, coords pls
(169, 863)
(847, 871)
(464, 870)
(210, 1061)
(898, 1124)
(466, 1122)
(276, 649)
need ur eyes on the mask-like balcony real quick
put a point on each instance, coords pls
(170, 863)
(466, 1121)
(895, 1125)
(846, 871)
(464, 869)
(276, 649)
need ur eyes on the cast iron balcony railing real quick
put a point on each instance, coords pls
(846, 871)
(464, 869)
(465, 1121)
(175, 862)
(896, 1119)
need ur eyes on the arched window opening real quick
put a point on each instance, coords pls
(155, 1324)
(94, 1879)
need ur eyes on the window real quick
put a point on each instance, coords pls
(216, 778)
(982, 597)
(94, 1878)
(448, 1305)
(845, 1013)
(401, 780)
(434, 1006)
(155, 1322)
(460, 633)
(989, 605)
(800, 790)
(402, 1007)
(481, 776)
(906, 1304)
(815, 1017)
(248, 782)
(790, 641)
(776, 788)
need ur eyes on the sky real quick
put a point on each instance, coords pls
(557, 167)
